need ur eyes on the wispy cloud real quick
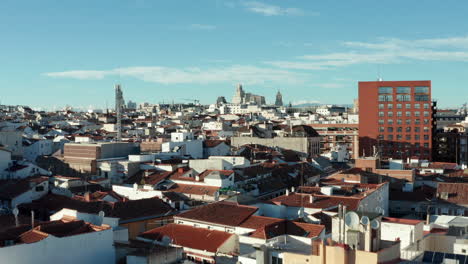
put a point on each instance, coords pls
(202, 27)
(165, 75)
(271, 10)
(385, 51)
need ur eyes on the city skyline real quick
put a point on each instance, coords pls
(165, 51)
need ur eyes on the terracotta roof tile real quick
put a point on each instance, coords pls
(190, 237)
(453, 192)
(223, 213)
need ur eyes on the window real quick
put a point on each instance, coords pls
(408, 114)
(381, 137)
(417, 106)
(390, 129)
(385, 90)
(408, 137)
(399, 114)
(417, 121)
(390, 106)
(417, 129)
(408, 121)
(381, 114)
(399, 129)
(426, 137)
(398, 106)
(390, 137)
(403, 98)
(408, 129)
(398, 137)
(426, 121)
(426, 113)
(405, 90)
(390, 121)
(399, 122)
(426, 145)
(426, 106)
(408, 106)
(381, 129)
(426, 129)
(421, 98)
(381, 121)
(417, 145)
(421, 89)
(390, 114)
(385, 98)
(417, 113)
(381, 106)
(416, 137)
(276, 260)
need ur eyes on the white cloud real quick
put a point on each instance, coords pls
(81, 75)
(202, 27)
(386, 51)
(271, 10)
(164, 75)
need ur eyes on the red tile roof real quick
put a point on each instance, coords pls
(189, 236)
(255, 221)
(59, 228)
(32, 236)
(127, 210)
(222, 213)
(456, 193)
(401, 221)
(320, 201)
(194, 189)
(213, 143)
(287, 227)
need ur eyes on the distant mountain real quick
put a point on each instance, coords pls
(317, 104)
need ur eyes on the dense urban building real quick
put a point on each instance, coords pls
(396, 119)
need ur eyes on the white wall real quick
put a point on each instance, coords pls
(31, 195)
(408, 234)
(96, 247)
(193, 148)
(5, 160)
(135, 194)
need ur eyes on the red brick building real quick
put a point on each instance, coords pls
(396, 117)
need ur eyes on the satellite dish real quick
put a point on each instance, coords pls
(352, 219)
(378, 209)
(165, 240)
(375, 224)
(101, 214)
(15, 211)
(365, 220)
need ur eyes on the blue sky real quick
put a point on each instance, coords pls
(57, 53)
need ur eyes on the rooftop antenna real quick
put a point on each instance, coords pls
(379, 76)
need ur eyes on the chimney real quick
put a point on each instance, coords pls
(32, 219)
(287, 192)
(428, 218)
(197, 178)
(343, 228)
(292, 189)
(340, 218)
(87, 197)
(15, 213)
(311, 198)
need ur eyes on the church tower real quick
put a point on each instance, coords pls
(238, 97)
(279, 99)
